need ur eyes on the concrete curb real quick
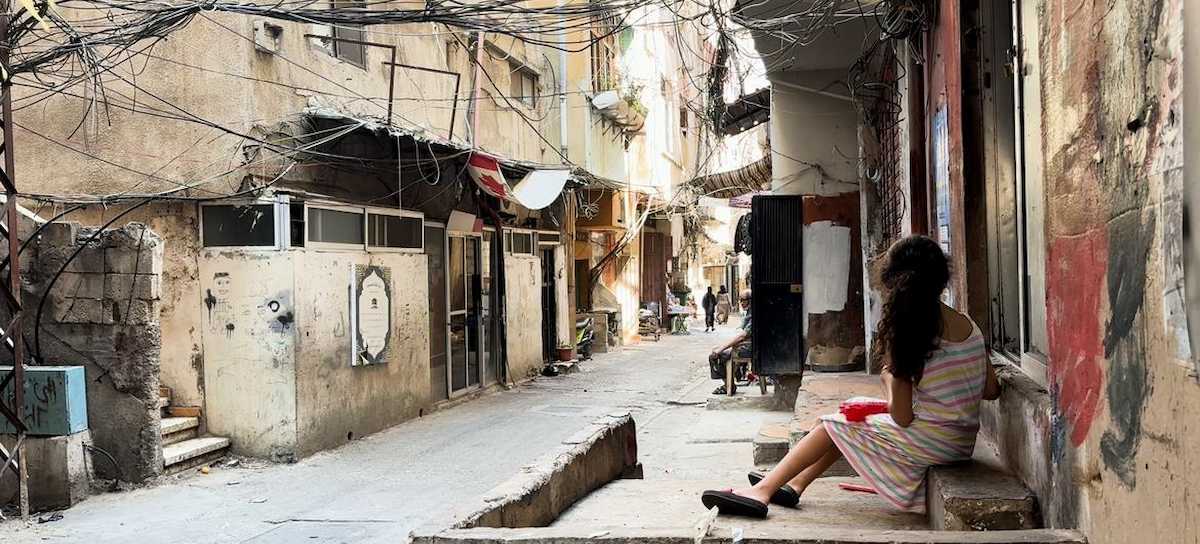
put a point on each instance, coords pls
(627, 535)
(602, 452)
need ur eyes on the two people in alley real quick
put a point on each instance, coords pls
(936, 372)
(740, 344)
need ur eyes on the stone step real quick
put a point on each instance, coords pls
(974, 497)
(178, 429)
(182, 452)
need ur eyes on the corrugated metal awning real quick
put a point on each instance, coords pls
(747, 179)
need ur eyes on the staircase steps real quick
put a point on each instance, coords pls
(183, 447)
(178, 429)
(194, 452)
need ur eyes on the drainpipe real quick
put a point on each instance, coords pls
(562, 96)
(1191, 192)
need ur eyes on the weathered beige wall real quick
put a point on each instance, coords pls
(523, 282)
(251, 92)
(336, 401)
(249, 346)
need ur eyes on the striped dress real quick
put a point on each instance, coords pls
(893, 459)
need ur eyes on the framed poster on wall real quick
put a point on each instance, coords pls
(370, 314)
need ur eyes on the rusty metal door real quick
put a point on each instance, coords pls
(777, 278)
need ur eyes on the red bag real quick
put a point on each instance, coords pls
(858, 408)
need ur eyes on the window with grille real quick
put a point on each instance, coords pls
(605, 76)
(354, 53)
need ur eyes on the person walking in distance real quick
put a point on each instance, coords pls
(710, 310)
(724, 305)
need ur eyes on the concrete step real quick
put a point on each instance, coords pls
(975, 497)
(178, 429)
(163, 402)
(189, 453)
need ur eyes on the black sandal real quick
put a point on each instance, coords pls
(733, 505)
(784, 496)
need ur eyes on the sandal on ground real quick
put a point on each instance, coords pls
(784, 496)
(729, 504)
(720, 390)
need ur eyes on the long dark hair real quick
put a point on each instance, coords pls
(913, 274)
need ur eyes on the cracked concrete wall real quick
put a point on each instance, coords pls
(102, 313)
(1120, 433)
(250, 357)
(337, 402)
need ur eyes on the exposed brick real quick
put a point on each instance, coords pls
(80, 285)
(135, 312)
(132, 261)
(90, 260)
(118, 287)
(60, 234)
(81, 310)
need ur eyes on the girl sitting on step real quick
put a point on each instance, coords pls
(935, 373)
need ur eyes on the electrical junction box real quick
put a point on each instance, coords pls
(55, 400)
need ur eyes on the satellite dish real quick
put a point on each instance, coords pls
(606, 100)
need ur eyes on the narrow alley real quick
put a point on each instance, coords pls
(418, 473)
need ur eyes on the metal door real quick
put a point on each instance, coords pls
(464, 304)
(776, 278)
(439, 341)
(549, 306)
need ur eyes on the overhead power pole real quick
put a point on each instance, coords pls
(10, 290)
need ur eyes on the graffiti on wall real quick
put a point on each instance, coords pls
(1074, 279)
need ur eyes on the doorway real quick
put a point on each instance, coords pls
(439, 342)
(549, 305)
(465, 305)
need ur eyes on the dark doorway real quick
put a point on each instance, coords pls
(583, 285)
(549, 306)
(435, 248)
(777, 276)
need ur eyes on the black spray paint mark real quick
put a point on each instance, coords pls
(273, 306)
(229, 329)
(285, 320)
(211, 302)
(1129, 240)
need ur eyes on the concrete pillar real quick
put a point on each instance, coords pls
(59, 471)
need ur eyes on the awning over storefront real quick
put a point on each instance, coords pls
(536, 190)
(747, 179)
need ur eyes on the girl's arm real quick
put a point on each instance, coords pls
(991, 390)
(899, 399)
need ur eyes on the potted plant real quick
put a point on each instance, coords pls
(565, 352)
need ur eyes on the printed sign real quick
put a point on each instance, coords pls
(371, 314)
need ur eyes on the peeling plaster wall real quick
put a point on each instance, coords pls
(337, 402)
(1123, 402)
(250, 365)
(523, 285)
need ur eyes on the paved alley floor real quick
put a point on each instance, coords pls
(379, 488)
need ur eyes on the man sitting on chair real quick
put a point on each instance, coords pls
(724, 352)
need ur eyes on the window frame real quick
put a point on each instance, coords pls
(280, 220)
(366, 212)
(519, 74)
(511, 233)
(1031, 208)
(393, 213)
(356, 32)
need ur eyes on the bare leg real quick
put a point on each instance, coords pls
(809, 452)
(814, 471)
